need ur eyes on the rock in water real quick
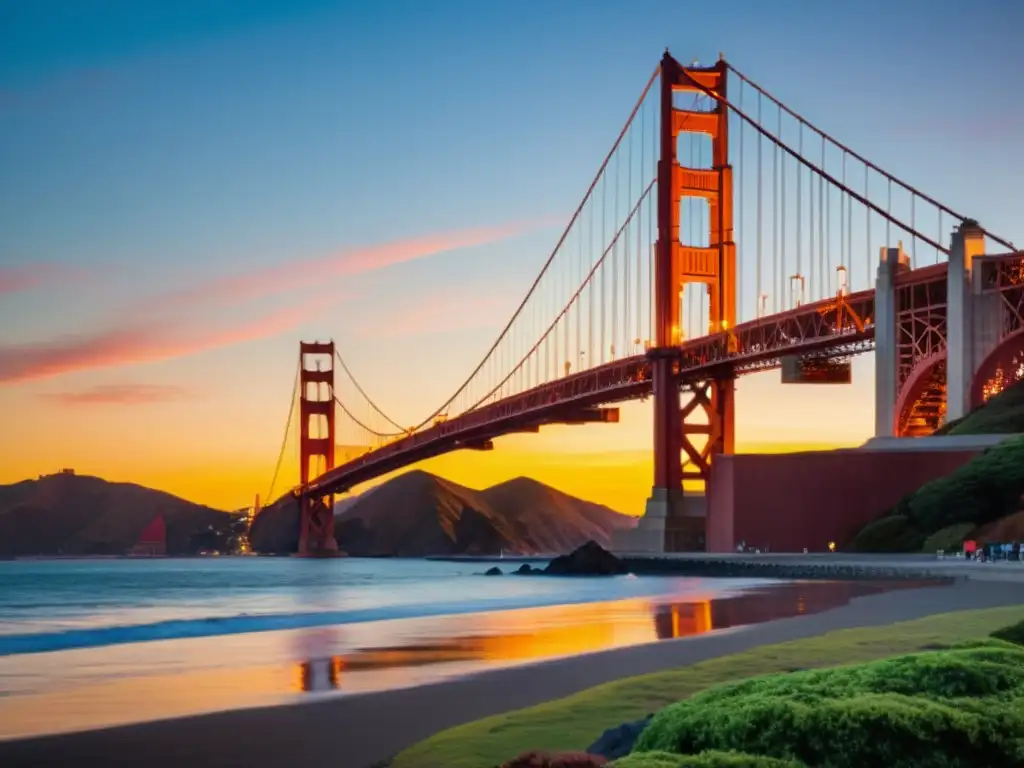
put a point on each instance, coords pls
(589, 560)
(555, 760)
(618, 742)
(527, 568)
(495, 571)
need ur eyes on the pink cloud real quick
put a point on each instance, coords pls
(140, 344)
(28, 276)
(123, 394)
(17, 279)
(311, 272)
(157, 336)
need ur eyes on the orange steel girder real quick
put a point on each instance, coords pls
(316, 414)
(676, 265)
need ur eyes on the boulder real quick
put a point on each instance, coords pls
(526, 568)
(591, 559)
(555, 760)
(618, 742)
(494, 571)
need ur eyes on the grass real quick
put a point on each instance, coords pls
(573, 723)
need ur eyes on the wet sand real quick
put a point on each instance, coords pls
(358, 729)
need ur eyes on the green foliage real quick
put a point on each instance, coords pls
(1011, 634)
(574, 722)
(949, 539)
(1002, 415)
(984, 489)
(961, 707)
(710, 759)
(894, 533)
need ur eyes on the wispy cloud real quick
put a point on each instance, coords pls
(122, 394)
(310, 272)
(24, 278)
(140, 344)
(159, 335)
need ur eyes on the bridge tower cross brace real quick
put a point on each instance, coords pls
(676, 265)
(316, 446)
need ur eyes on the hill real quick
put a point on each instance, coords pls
(81, 515)
(1003, 414)
(418, 514)
(980, 500)
(555, 521)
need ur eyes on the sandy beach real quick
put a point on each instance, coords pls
(359, 729)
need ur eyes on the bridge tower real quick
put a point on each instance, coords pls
(673, 521)
(316, 445)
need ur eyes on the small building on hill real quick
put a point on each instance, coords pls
(153, 539)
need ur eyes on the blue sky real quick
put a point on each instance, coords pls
(147, 147)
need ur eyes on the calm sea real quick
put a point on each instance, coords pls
(89, 643)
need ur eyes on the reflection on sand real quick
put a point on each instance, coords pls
(98, 687)
(510, 637)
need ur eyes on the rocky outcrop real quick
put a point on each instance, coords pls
(589, 560)
(618, 742)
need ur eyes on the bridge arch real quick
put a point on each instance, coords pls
(1002, 367)
(921, 403)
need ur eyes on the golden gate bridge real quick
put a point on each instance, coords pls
(723, 234)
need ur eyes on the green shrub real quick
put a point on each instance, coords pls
(889, 534)
(984, 489)
(949, 539)
(1011, 634)
(710, 759)
(1003, 414)
(961, 707)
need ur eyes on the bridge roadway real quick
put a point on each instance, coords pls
(839, 326)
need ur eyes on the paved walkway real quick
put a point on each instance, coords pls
(1012, 571)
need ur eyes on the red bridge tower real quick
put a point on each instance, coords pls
(674, 522)
(316, 446)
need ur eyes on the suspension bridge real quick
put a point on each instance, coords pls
(723, 234)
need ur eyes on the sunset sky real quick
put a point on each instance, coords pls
(188, 188)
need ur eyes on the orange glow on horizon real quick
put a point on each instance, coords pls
(620, 480)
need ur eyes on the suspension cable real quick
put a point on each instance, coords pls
(284, 440)
(910, 188)
(361, 391)
(593, 270)
(359, 423)
(870, 206)
(551, 258)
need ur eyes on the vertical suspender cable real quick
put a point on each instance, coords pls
(759, 287)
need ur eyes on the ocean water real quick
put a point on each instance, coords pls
(52, 605)
(91, 643)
